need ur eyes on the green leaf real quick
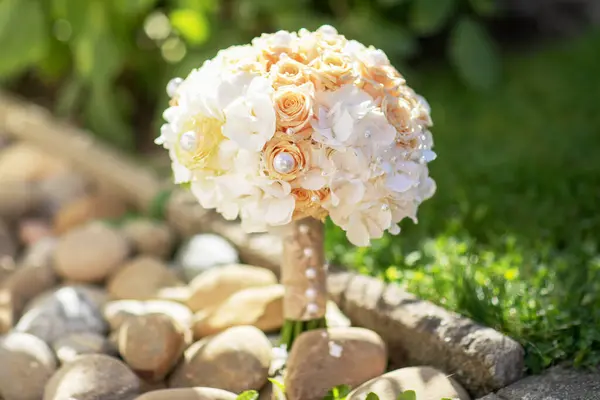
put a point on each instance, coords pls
(429, 16)
(68, 97)
(408, 395)
(338, 393)
(105, 118)
(474, 55)
(372, 396)
(484, 8)
(192, 25)
(278, 384)
(23, 35)
(75, 12)
(248, 395)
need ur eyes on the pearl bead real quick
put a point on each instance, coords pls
(284, 163)
(308, 252)
(311, 294)
(312, 308)
(187, 141)
(173, 85)
(379, 159)
(314, 198)
(385, 207)
(290, 131)
(303, 229)
(367, 134)
(311, 273)
(323, 173)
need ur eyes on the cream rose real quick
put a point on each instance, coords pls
(293, 107)
(288, 71)
(398, 112)
(284, 159)
(332, 70)
(308, 203)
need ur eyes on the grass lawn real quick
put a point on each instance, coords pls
(511, 238)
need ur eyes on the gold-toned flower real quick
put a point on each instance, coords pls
(284, 158)
(379, 80)
(309, 203)
(197, 147)
(293, 107)
(288, 71)
(332, 70)
(398, 112)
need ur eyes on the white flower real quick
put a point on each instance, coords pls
(250, 116)
(338, 114)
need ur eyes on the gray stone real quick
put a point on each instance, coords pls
(418, 332)
(68, 310)
(204, 251)
(555, 384)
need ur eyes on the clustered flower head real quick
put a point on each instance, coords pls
(297, 125)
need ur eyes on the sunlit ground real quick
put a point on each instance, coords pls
(511, 237)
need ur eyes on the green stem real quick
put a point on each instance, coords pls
(292, 329)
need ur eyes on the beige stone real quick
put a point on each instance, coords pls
(93, 376)
(82, 210)
(197, 393)
(20, 287)
(261, 307)
(142, 279)
(150, 238)
(22, 162)
(152, 344)
(214, 286)
(237, 359)
(323, 358)
(118, 311)
(428, 384)
(26, 365)
(90, 253)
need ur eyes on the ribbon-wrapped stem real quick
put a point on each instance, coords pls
(304, 276)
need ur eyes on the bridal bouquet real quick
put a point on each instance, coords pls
(296, 127)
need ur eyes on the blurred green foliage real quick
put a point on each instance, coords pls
(510, 238)
(107, 61)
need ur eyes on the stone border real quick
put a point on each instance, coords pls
(418, 332)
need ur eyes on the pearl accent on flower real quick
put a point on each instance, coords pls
(303, 229)
(290, 131)
(385, 207)
(308, 252)
(311, 273)
(314, 198)
(284, 163)
(187, 141)
(173, 85)
(323, 173)
(312, 308)
(311, 293)
(367, 134)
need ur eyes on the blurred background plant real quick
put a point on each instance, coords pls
(104, 63)
(510, 238)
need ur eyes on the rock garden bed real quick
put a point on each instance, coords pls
(97, 304)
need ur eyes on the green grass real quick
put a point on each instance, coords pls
(511, 237)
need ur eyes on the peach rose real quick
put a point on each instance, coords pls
(285, 159)
(332, 70)
(379, 81)
(399, 113)
(308, 203)
(288, 71)
(293, 106)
